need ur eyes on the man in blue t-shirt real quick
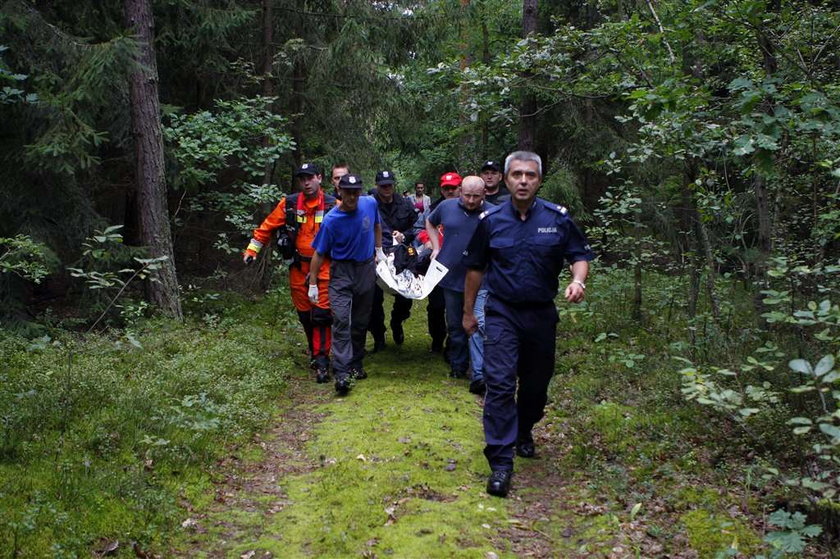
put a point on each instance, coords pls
(458, 218)
(350, 236)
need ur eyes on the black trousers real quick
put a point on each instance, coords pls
(400, 313)
(436, 318)
(519, 347)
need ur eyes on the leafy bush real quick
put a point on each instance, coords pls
(241, 138)
(98, 424)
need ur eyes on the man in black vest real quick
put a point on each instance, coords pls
(398, 217)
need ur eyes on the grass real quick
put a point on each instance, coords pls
(212, 440)
(399, 468)
(101, 440)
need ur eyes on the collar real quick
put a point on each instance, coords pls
(319, 201)
(528, 212)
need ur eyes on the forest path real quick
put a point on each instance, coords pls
(393, 469)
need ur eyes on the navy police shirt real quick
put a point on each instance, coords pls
(523, 259)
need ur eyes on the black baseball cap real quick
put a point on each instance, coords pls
(350, 181)
(385, 177)
(494, 165)
(308, 169)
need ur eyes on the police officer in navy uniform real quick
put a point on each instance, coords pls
(521, 247)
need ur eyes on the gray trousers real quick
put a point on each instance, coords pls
(351, 299)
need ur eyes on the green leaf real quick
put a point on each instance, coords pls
(831, 377)
(825, 365)
(788, 542)
(801, 366)
(740, 83)
(812, 530)
(830, 430)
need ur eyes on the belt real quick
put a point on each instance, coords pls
(529, 305)
(350, 261)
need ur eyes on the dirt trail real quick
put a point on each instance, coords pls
(396, 469)
(248, 490)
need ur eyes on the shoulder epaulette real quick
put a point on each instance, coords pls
(562, 210)
(489, 211)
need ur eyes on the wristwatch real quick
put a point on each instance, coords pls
(580, 283)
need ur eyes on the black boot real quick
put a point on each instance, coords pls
(342, 384)
(525, 446)
(322, 375)
(397, 332)
(498, 483)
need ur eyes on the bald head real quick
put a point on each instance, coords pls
(472, 192)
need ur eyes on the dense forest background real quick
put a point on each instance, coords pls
(697, 141)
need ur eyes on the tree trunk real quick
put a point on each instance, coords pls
(467, 140)
(637, 290)
(298, 107)
(687, 216)
(705, 253)
(485, 58)
(764, 237)
(148, 145)
(528, 106)
(762, 195)
(711, 273)
(267, 66)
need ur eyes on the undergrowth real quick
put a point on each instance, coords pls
(109, 438)
(103, 434)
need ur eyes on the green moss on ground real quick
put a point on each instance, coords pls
(403, 471)
(710, 533)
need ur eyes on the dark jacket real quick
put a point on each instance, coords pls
(399, 215)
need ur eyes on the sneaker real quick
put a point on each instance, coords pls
(342, 385)
(498, 483)
(478, 387)
(322, 375)
(358, 373)
(397, 332)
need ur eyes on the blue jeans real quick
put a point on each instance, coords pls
(458, 351)
(477, 339)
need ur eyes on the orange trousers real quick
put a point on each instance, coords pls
(316, 319)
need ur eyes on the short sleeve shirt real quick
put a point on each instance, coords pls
(458, 226)
(523, 259)
(349, 235)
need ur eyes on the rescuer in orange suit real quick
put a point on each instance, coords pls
(297, 219)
